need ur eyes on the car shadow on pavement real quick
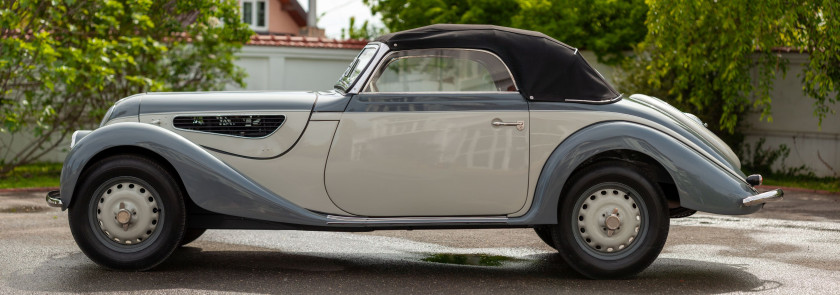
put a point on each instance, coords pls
(256, 271)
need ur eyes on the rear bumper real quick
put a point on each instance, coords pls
(770, 196)
(54, 199)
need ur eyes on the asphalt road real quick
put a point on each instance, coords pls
(789, 247)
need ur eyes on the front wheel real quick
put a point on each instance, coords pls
(192, 234)
(613, 221)
(128, 213)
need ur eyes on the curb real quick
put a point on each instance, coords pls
(28, 190)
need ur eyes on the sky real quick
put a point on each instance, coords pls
(335, 15)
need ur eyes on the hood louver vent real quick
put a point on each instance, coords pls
(250, 126)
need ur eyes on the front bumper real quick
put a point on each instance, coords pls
(770, 196)
(54, 199)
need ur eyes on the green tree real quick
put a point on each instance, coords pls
(607, 27)
(64, 62)
(401, 15)
(366, 31)
(701, 53)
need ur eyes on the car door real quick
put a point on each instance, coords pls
(435, 132)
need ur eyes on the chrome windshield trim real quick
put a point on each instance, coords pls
(381, 65)
(361, 80)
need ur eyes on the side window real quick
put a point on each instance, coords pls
(441, 70)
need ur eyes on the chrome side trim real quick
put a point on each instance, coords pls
(54, 199)
(414, 220)
(771, 196)
(617, 98)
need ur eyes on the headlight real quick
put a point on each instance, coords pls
(126, 107)
(77, 136)
(106, 118)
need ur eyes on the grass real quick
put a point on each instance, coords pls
(47, 174)
(807, 182)
(33, 175)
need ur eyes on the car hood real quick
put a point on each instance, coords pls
(212, 102)
(174, 102)
(692, 128)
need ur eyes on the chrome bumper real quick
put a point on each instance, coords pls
(771, 196)
(54, 199)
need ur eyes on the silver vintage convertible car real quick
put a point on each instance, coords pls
(439, 127)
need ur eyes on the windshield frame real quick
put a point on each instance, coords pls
(343, 84)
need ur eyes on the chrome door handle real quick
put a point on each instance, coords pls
(520, 125)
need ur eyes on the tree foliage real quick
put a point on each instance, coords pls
(607, 27)
(64, 62)
(365, 31)
(721, 56)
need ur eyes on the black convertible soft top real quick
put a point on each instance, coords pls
(544, 68)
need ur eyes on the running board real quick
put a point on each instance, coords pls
(337, 219)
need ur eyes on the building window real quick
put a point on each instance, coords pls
(255, 14)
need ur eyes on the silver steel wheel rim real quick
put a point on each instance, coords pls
(127, 212)
(609, 220)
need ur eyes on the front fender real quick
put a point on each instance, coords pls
(702, 185)
(210, 183)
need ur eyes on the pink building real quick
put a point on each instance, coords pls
(278, 17)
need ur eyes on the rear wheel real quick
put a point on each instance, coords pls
(544, 232)
(128, 213)
(613, 222)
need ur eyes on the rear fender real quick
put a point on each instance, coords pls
(702, 185)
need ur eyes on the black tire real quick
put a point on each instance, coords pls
(133, 186)
(544, 232)
(615, 188)
(681, 212)
(191, 234)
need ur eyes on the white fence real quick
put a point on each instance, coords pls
(794, 125)
(293, 68)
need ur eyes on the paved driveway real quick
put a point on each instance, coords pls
(789, 247)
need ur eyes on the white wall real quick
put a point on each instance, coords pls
(795, 125)
(293, 68)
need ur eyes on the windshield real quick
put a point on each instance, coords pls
(356, 67)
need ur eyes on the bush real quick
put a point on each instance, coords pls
(64, 62)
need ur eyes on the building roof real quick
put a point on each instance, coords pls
(306, 42)
(295, 11)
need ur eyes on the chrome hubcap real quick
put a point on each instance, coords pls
(127, 213)
(608, 220)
